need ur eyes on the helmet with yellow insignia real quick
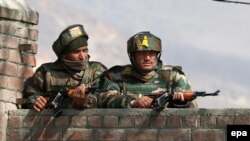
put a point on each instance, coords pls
(143, 41)
(71, 38)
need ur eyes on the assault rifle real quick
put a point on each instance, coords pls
(56, 103)
(230, 1)
(159, 103)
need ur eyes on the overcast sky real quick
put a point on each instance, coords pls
(210, 40)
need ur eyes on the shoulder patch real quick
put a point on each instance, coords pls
(128, 69)
(167, 67)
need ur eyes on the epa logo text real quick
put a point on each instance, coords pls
(239, 133)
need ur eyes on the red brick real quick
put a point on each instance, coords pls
(33, 34)
(2, 135)
(175, 135)
(33, 17)
(242, 120)
(4, 53)
(8, 68)
(158, 122)
(110, 135)
(78, 134)
(3, 82)
(25, 41)
(27, 16)
(28, 59)
(95, 121)
(30, 121)
(208, 135)
(47, 134)
(110, 121)
(8, 95)
(63, 121)
(141, 121)
(208, 121)
(142, 135)
(14, 56)
(47, 121)
(15, 122)
(24, 71)
(17, 30)
(8, 41)
(17, 135)
(28, 47)
(79, 121)
(21, 57)
(126, 121)
(174, 122)
(223, 121)
(191, 122)
(3, 120)
(14, 83)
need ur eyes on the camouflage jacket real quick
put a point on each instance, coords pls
(124, 84)
(50, 78)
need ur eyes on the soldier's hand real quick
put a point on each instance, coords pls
(41, 103)
(142, 102)
(79, 96)
(178, 96)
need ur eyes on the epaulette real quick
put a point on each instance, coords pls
(174, 68)
(116, 69)
(114, 73)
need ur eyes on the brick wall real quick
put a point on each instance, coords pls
(125, 125)
(17, 53)
(17, 48)
(17, 57)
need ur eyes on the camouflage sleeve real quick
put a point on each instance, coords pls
(97, 72)
(112, 99)
(112, 96)
(181, 84)
(33, 88)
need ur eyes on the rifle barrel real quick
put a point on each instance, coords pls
(207, 94)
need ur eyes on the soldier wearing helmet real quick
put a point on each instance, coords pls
(72, 71)
(135, 85)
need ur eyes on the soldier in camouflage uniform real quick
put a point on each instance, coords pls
(135, 85)
(72, 70)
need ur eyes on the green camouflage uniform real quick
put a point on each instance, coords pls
(50, 78)
(126, 83)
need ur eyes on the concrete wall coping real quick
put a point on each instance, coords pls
(130, 112)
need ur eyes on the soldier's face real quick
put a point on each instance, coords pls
(80, 54)
(146, 60)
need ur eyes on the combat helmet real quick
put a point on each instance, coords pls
(143, 41)
(71, 38)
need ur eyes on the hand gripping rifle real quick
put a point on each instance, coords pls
(159, 103)
(56, 102)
